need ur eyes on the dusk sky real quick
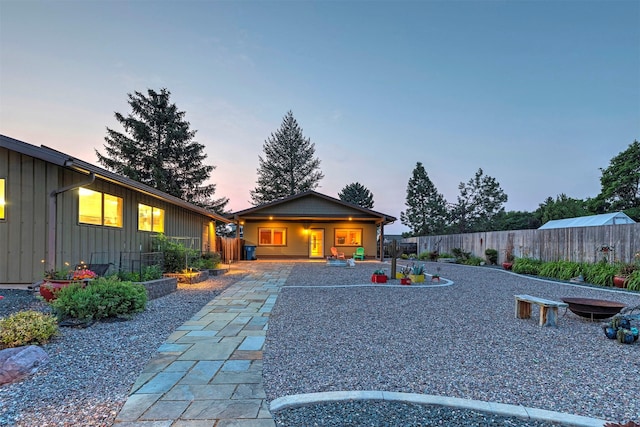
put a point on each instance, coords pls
(539, 94)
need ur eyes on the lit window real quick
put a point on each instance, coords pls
(150, 218)
(272, 236)
(348, 237)
(98, 208)
(2, 202)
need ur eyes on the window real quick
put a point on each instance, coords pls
(2, 202)
(150, 218)
(348, 237)
(272, 236)
(98, 208)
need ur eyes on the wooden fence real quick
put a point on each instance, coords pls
(582, 244)
(230, 248)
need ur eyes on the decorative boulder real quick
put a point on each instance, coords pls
(16, 363)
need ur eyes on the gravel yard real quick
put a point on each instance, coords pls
(91, 371)
(327, 335)
(459, 341)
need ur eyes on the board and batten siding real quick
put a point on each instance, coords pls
(580, 244)
(24, 232)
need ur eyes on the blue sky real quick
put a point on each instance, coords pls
(539, 94)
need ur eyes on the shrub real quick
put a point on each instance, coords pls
(563, 270)
(424, 256)
(151, 272)
(600, 273)
(492, 256)
(473, 260)
(27, 327)
(102, 298)
(526, 266)
(404, 256)
(433, 256)
(460, 255)
(128, 276)
(445, 255)
(211, 260)
(634, 281)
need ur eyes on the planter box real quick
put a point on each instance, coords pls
(405, 281)
(160, 287)
(620, 281)
(217, 271)
(416, 278)
(378, 278)
(195, 277)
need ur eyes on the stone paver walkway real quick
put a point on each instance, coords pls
(209, 371)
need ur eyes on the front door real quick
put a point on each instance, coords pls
(316, 243)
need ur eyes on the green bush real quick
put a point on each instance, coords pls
(563, 270)
(527, 266)
(151, 272)
(473, 260)
(600, 273)
(424, 256)
(634, 281)
(176, 256)
(27, 327)
(102, 298)
(492, 256)
(460, 255)
(445, 255)
(128, 276)
(404, 256)
(211, 260)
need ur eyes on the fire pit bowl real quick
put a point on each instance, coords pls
(594, 308)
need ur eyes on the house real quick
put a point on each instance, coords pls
(589, 221)
(58, 211)
(308, 224)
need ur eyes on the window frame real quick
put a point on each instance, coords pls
(3, 199)
(152, 223)
(102, 209)
(347, 230)
(284, 231)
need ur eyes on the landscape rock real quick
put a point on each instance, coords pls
(19, 362)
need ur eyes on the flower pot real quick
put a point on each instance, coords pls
(620, 281)
(435, 278)
(507, 265)
(378, 278)
(50, 288)
(405, 281)
(417, 278)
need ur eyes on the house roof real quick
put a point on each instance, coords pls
(311, 205)
(65, 160)
(589, 221)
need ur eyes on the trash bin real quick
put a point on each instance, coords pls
(249, 252)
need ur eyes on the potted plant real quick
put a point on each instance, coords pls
(54, 280)
(508, 264)
(621, 279)
(417, 273)
(379, 276)
(435, 277)
(404, 273)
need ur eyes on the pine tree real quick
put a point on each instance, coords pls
(426, 208)
(158, 150)
(288, 166)
(357, 194)
(480, 200)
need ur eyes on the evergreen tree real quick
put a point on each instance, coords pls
(288, 166)
(158, 150)
(357, 194)
(480, 200)
(426, 208)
